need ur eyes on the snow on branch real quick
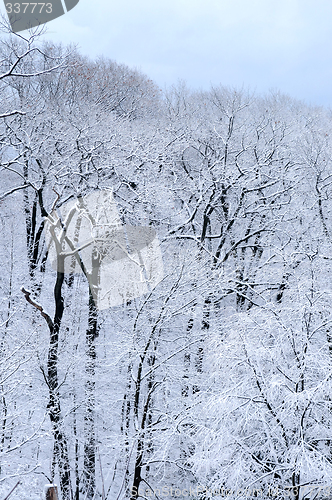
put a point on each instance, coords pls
(2, 197)
(11, 113)
(48, 319)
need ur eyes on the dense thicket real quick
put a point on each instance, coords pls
(218, 380)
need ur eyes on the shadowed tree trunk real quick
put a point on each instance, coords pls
(89, 472)
(60, 451)
(51, 378)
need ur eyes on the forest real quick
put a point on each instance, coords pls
(165, 286)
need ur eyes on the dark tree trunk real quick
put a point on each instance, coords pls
(51, 377)
(54, 407)
(33, 235)
(89, 473)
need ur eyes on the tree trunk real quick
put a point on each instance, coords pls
(89, 472)
(54, 407)
(51, 378)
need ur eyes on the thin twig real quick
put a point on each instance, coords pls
(6, 498)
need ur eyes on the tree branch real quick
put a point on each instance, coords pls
(48, 319)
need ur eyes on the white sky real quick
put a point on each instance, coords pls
(261, 44)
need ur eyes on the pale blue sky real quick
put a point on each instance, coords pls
(261, 44)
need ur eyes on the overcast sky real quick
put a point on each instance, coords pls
(260, 44)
